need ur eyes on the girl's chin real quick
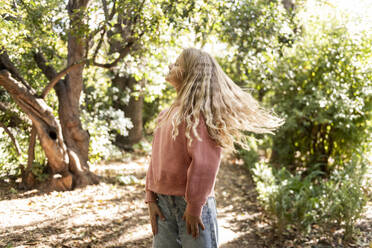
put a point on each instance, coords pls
(171, 83)
(169, 80)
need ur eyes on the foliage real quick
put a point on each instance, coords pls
(323, 86)
(30, 26)
(317, 73)
(39, 171)
(9, 159)
(260, 149)
(300, 201)
(27, 26)
(256, 31)
(348, 194)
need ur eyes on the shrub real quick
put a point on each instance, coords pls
(291, 200)
(347, 194)
(298, 201)
(323, 87)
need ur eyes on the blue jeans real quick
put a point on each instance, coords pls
(172, 232)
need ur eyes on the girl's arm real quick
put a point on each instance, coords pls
(205, 160)
(150, 196)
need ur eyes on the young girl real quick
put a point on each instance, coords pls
(209, 113)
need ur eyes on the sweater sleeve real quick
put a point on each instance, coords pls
(150, 196)
(201, 174)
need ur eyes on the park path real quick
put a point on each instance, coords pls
(113, 213)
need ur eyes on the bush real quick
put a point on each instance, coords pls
(347, 192)
(297, 202)
(323, 87)
(291, 200)
(260, 149)
(249, 157)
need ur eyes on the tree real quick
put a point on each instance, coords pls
(256, 32)
(136, 28)
(65, 143)
(133, 110)
(41, 40)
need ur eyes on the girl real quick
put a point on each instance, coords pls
(209, 113)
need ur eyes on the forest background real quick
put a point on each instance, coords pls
(83, 81)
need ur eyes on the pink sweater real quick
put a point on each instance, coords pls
(178, 169)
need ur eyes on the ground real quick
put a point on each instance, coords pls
(113, 213)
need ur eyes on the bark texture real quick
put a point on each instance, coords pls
(66, 143)
(288, 5)
(48, 129)
(132, 110)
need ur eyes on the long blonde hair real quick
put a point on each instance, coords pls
(227, 109)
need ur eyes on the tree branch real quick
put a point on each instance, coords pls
(51, 73)
(124, 52)
(113, 11)
(26, 100)
(55, 80)
(14, 141)
(41, 62)
(6, 64)
(107, 19)
(15, 120)
(99, 45)
(31, 149)
(105, 10)
(139, 11)
(47, 126)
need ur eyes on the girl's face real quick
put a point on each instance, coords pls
(174, 76)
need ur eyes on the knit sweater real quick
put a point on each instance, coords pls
(182, 170)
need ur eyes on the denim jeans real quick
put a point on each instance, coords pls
(172, 232)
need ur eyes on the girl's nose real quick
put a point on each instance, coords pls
(170, 66)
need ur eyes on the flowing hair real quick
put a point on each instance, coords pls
(227, 109)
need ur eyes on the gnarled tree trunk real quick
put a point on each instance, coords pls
(65, 143)
(48, 129)
(68, 93)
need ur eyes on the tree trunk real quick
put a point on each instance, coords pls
(68, 93)
(48, 129)
(132, 110)
(65, 143)
(288, 5)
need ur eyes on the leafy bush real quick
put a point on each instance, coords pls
(347, 195)
(299, 201)
(323, 86)
(317, 73)
(9, 159)
(260, 149)
(291, 200)
(255, 30)
(11, 162)
(39, 171)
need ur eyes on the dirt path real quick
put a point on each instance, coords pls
(113, 214)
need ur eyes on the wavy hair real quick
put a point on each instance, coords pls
(228, 110)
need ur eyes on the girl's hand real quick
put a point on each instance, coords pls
(154, 211)
(192, 224)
